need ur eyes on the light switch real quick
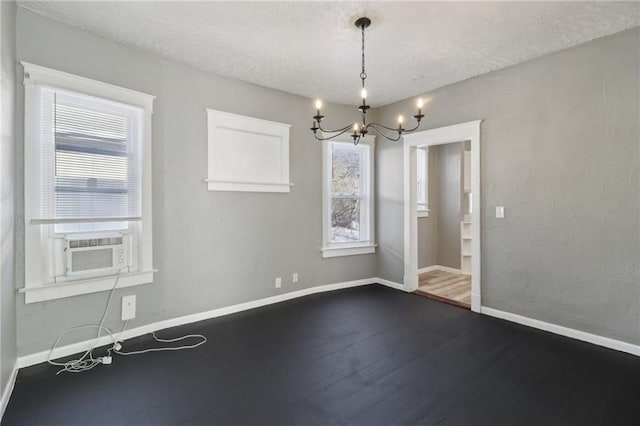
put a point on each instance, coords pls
(500, 212)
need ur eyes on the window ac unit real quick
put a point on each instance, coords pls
(95, 256)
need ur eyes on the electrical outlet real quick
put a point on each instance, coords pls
(128, 307)
(278, 282)
(294, 277)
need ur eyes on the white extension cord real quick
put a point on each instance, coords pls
(169, 348)
(86, 362)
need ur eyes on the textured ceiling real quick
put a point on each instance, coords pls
(312, 48)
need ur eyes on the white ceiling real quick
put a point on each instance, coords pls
(313, 49)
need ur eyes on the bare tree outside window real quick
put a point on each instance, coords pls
(345, 194)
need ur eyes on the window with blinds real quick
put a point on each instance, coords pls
(90, 158)
(87, 178)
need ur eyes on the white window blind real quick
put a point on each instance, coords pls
(90, 161)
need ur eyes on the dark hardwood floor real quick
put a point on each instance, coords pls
(366, 356)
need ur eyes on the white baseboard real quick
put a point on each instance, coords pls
(8, 389)
(564, 331)
(439, 267)
(74, 348)
(388, 283)
(39, 357)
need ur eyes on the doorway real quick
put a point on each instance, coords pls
(443, 190)
(451, 272)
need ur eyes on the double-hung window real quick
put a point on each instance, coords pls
(92, 179)
(348, 198)
(87, 185)
(422, 181)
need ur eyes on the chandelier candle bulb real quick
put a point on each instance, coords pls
(363, 94)
(318, 117)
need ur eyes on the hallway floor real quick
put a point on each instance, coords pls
(446, 286)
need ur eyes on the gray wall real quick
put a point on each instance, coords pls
(7, 193)
(560, 150)
(449, 204)
(439, 233)
(428, 226)
(212, 249)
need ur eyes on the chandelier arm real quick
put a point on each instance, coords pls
(412, 130)
(395, 130)
(383, 126)
(333, 136)
(374, 126)
(335, 131)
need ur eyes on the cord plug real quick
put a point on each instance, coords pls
(106, 360)
(117, 346)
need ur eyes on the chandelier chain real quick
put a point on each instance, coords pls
(363, 74)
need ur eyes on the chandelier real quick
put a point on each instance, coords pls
(360, 129)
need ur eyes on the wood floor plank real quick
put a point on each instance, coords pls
(363, 356)
(446, 286)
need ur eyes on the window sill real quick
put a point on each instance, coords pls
(44, 292)
(423, 213)
(348, 250)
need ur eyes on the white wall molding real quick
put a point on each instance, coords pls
(439, 267)
(8, 389)
(564, 331)
(74, 348)
(247, 154)
(42, 76)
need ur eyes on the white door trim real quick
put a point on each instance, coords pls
(469, 131)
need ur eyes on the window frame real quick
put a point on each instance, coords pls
(367, 245)
(422, 211)
(40, 241)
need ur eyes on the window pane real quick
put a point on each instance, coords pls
(88, 165)
(345, 220)
(101, 127)
(96, 162)
(421, 175)
(420, 192)
(90, 185)
(345, 171)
